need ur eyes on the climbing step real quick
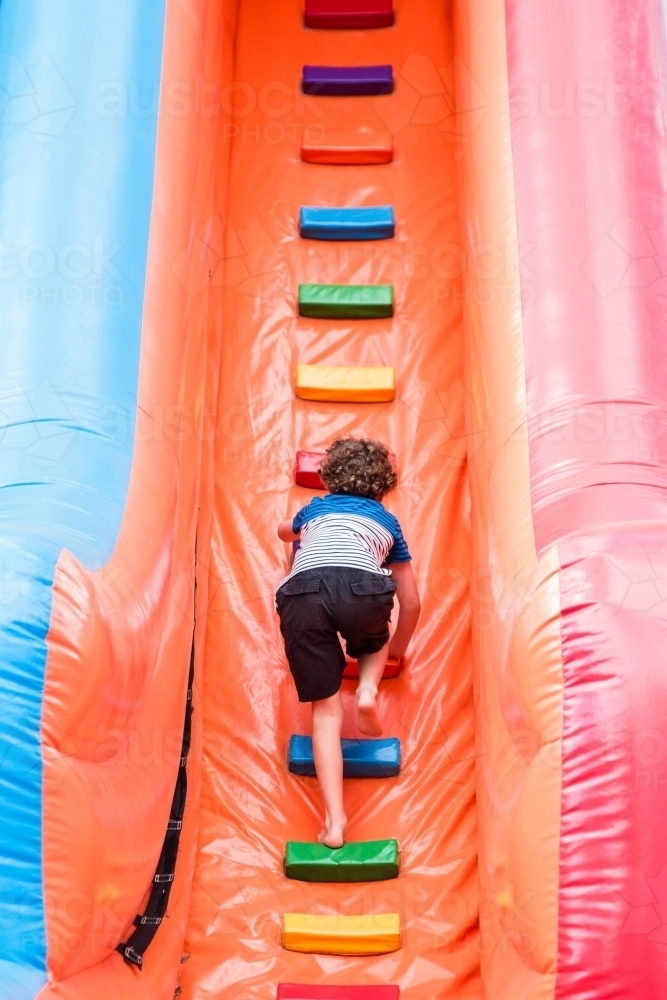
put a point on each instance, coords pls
(365, 861)
(359, 148)
(335, 934)
(391, 670)
(349, 14)
(346, 301)
(320, 383)
(290, 991)
(348, 81)
(307, 469)
(361, 758)
(347, 223)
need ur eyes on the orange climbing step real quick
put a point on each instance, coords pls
(337, 384)
(336, 934)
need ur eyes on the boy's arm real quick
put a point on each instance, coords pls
(285, 532)
(409, 610)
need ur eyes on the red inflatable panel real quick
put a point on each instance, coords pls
(339, 14)
(347, 149)
(392, 669)
(288, 991)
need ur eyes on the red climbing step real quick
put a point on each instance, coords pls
(392, 669)
(307, 470)
(288, 991)
(347, 148)
(354, 14)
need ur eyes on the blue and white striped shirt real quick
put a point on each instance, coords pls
(342, 530)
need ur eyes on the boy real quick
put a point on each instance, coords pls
(340, 584)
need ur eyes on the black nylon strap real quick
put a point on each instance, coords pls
(147, 924)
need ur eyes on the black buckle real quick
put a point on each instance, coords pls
(131, 956)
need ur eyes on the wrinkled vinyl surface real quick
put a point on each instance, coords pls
(250, 804)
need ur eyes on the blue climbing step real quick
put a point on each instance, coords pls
(347, 223)
(361, 758)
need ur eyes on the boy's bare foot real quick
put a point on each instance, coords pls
(368, 720)
(334, 833)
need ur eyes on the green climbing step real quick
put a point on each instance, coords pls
(346, 301)
(366, 861)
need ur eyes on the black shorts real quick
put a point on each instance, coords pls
(317, 604)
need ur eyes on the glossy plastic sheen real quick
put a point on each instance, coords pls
(349, 14)
(361, 758)
(120, 636)
(375, 223)
(346, 301)
(516, 594)
(339, 384)
(348, 81)
(593, 180)
(321, 934)
(289, 991)
(365, 861)
(360, 148)
(250, 805)
(72, 233)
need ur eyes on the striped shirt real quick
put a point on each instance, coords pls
(341, 530)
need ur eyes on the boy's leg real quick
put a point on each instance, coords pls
(371, 669)
(327, 727)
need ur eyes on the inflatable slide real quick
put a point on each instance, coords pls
(233, 230)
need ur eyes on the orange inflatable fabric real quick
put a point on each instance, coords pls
(250, 806)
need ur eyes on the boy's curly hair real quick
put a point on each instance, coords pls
(360, 467)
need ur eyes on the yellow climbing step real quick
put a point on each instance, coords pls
(345, 385)
(335, 934)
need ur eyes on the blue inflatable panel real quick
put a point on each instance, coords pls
(361, 758)
(347, 223)
(20, 982)
(76, 188)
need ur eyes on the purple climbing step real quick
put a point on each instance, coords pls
(347, 81)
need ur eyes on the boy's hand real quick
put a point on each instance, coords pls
(409, 607)
(396, 651)
(285, 532)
